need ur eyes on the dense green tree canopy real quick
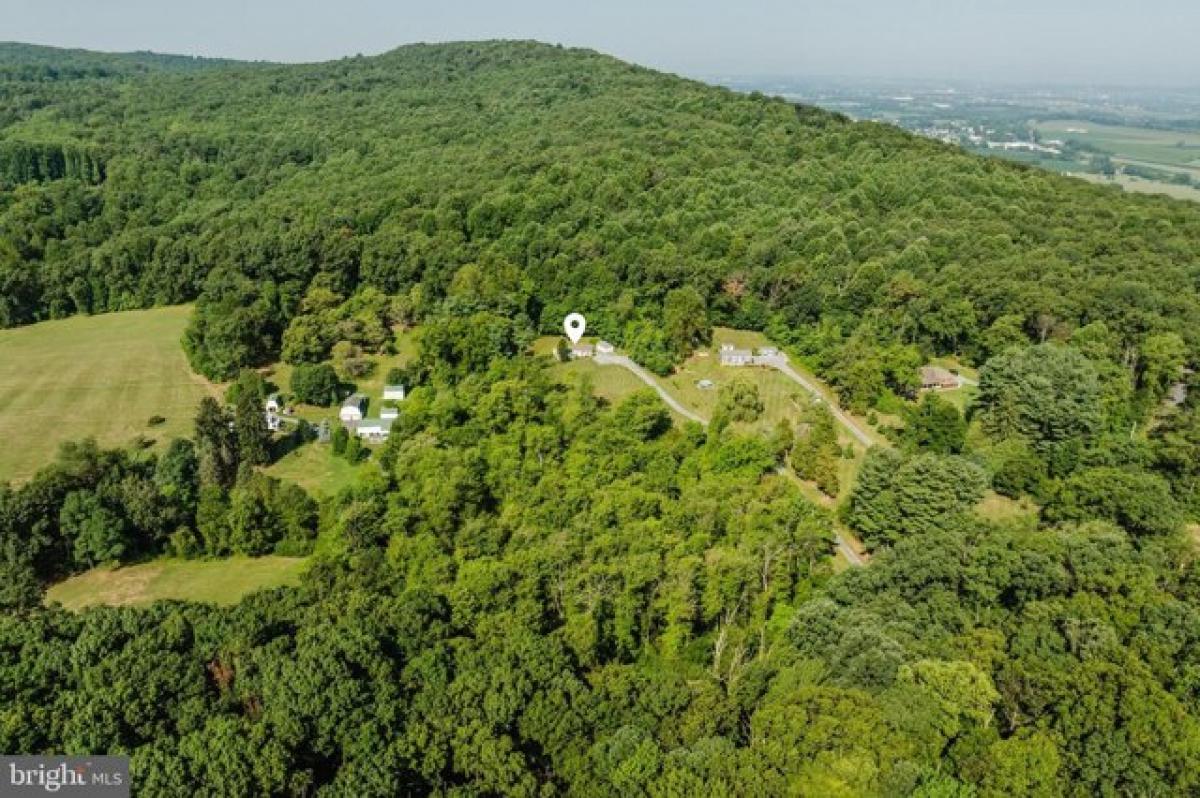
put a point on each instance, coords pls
(528, 180)
(530, 591)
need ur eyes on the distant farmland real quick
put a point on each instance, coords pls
(1164, 148)
(104, 376)
(1160, 154)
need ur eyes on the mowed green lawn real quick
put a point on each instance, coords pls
(610, 383)
(314, 467)
(221, 582)
(103, 376)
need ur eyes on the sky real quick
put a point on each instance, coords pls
(1149, 42)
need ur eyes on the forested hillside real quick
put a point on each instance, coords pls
(530, 591)
(525, 178)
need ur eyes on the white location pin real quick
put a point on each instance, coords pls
(574, 324)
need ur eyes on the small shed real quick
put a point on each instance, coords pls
(389, 411)
(705, 385)
(937, 378)
(605, 348)
(324, 432)
(393, 393)
(1177, 394)
(353, 409)
(274, 403)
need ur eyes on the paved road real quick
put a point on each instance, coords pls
(648, 378)
(843, 545)
(785, 368)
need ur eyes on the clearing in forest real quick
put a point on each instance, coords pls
(105, 376)
(222, 582)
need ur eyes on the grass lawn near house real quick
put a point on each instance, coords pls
(103, 376)
(222, 582)
(962, 398)
(782, 397)
(954, 365)
(611, 383)
(314, 468)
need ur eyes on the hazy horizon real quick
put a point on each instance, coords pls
(1021, 42)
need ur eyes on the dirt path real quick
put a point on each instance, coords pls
(843, 419)
(648, 378)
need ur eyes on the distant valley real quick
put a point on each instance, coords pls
(1143, 140)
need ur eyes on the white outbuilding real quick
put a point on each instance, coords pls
(353, 409)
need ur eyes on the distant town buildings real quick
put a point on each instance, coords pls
(965, 135)
(1029, 146)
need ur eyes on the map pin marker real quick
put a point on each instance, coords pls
(574, 324)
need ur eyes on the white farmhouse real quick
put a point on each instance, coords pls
(374, 430)
(353, 409)
(732, 356)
